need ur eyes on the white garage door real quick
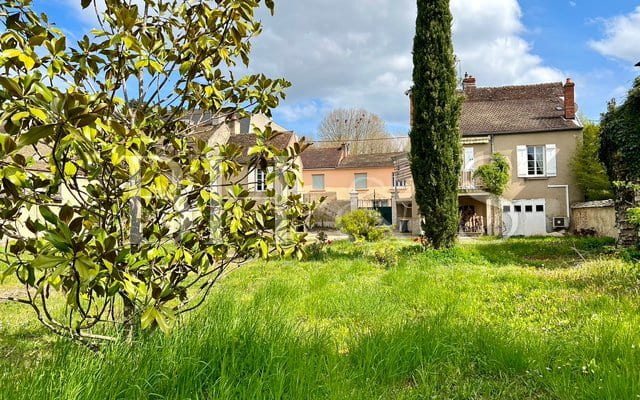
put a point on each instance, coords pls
(524, 217)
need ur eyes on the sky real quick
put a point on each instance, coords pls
(357, 53)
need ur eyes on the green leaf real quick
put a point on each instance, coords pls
(66, 213)
(148, 317)
(38, 113)
(28, 62)
(11, 53)
(48, 215)
(264, 249)
(87, 269)
(35, 134)
(85, 3)
(70, 169)
(11, 86)
(45, 261)
(17, 117)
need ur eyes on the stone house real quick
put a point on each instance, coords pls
(536, 129)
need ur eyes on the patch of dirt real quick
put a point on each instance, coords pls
(6, 294)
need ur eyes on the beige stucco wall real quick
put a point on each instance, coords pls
(538, 188)
(248, 179)
(246, 125)
(341, 182)
(601, 219)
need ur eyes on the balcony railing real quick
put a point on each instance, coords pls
(468, 182)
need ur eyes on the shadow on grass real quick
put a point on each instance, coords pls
(541, 252)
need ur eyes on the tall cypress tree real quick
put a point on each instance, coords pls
(435, 134)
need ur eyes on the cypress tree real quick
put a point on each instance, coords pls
(435, 135)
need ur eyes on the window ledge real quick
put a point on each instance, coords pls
(536, 178)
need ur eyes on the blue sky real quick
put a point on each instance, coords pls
(357, 53)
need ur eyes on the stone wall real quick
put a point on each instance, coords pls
(597, 215)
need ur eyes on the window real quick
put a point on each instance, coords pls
(398, 183)
(517, 208)
(539, 208)
(318, 182)
(361, 181)
(506, 209)
(261, 180)
(535, 160)
(528, 208)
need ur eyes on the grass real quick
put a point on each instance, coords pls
(517, 319)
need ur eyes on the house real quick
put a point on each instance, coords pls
(536, 129)
(256, 178)
(349, 181)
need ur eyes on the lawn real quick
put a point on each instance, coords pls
(538, 318)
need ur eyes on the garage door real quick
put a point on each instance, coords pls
(524, 217)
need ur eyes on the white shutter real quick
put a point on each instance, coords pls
(523, 166)
(469, 159)
(551, 167)
(253, 178)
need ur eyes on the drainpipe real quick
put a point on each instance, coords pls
(566, 188)
(492, 144)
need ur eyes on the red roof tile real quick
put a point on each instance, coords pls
(321, 158)
(515, 109)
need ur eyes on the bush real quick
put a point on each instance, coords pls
(495, 175)
(314, 252)
(387, 256)
(363, 225)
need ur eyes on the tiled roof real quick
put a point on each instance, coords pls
(515, 109)
(321, 158)
(246, 140)
(369, 160)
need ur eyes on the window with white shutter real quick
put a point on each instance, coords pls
(537, 161)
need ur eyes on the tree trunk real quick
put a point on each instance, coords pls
(626, 198)
(131, 320)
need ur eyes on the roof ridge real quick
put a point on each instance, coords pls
(521, 86)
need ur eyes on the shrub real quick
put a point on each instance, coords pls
(363, 225)
(495, 175)
(387, 256)
(314, 252)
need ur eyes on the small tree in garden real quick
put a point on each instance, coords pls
(620, 153)
(151, 216)
(363, 225)
(586, 165)
(435, 136)
(494, 178)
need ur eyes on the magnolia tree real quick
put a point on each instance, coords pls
(111, 202)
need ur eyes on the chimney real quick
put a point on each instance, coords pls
(345, 150)
(569, 99)
(469, 82)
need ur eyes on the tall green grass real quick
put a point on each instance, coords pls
(476, 322)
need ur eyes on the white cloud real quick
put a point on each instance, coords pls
(621, 35)
(358, 53)
(487, 40)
